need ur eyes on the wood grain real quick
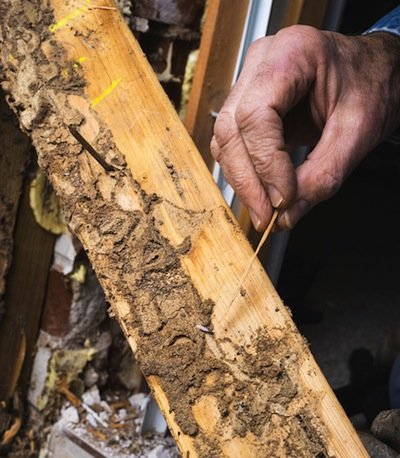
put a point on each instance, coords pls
(167, 250)
(212, 81)
(24, 298)
(26, 253)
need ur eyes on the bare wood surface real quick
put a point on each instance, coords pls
(164, 245)
(254, 256)
(219, 47)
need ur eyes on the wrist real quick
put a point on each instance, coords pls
(383, 50)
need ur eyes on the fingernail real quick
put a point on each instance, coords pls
(274, 196)
(290, 217)
(285, 221)
(255, 219)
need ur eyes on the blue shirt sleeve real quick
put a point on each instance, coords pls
(389, 23)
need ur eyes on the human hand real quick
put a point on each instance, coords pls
(305, 87)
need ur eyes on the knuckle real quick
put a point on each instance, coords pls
(300, 41)
(264, 164)
(328, 183)
(249, 115)
(299, 34)
(257, 46)
(225, 129)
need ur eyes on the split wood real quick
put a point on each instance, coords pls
(254, 256)
(164, 245)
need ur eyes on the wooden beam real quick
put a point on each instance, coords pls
(307, 12)
(14, 157)
(212, 80)
(314, 12)
(31, 248)
(163, 243)
(24, 298)
(213, 77)
(293, 13)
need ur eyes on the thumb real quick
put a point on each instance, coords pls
(334, 157)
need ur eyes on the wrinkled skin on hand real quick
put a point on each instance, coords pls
(305, 87)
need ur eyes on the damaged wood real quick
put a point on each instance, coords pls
(162, 241)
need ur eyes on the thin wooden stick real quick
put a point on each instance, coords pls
(259, 246)
(106, 8)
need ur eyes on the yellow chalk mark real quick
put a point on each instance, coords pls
(65, 73)
(79, 62)
(106, 92)
(72, 15)
(11, 58)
